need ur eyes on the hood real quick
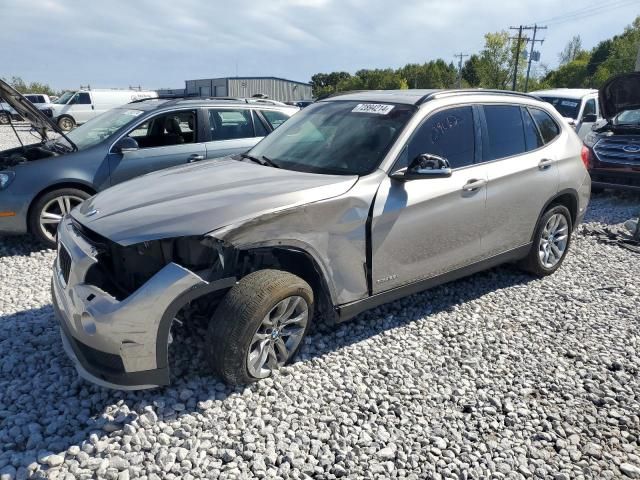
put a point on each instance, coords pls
(618, 94)
(27, 110)
(198, 198)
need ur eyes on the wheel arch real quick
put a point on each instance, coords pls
(294, 259)
(78, 184)
(568, 198)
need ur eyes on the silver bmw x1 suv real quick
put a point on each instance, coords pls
(358, 200)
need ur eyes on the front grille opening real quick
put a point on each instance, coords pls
(64, 261)
(612, 150)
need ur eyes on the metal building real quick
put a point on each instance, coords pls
(275, 88)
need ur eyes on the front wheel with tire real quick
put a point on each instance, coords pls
(66, 123)
(259, 326)
(49, 209)
(4, 118)
(550, 242)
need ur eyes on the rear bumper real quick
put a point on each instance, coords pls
(119, 344)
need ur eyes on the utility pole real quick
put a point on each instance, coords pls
(533, 44)
(460, 56)
(515, 68)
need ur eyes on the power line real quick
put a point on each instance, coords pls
(588, 11)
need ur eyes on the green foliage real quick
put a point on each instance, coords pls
(493, 67)
(34, 87)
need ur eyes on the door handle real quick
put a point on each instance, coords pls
(474, 185)
(545, 163)
(196, 157)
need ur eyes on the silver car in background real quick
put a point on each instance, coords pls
(357, 200)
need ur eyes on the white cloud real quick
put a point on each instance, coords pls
(161, 44)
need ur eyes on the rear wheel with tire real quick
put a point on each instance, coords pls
(259, 326)
(66, 123)
(550, 242)
(49, 209)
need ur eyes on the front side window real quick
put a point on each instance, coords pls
(547, 126)
(82, 98)
(589, 108)
(101, 127)
(336, 137)
(449, 134)
(505, 132)
(230, 124)
(275, 118)
(173, 128)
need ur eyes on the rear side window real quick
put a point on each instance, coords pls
(449, 134)
(532, 136)
(228, 124)
(505, 132)
(274, 117)
(547, 126)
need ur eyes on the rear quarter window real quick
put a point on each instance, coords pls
(549, 129)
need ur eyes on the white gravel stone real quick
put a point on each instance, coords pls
(499, 375)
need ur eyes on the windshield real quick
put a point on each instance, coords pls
(568, 107)
(102, 126)
(628, 117)
(64, 98)
(338, 137)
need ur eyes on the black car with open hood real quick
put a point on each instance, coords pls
(612, 149)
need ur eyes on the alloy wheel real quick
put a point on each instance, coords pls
(278, 336)
(553, 240)
(54, 210)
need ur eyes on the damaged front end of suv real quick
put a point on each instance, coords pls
(121, 301)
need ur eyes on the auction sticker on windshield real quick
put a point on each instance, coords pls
(377, 108)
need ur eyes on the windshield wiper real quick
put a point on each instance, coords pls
(264, 161)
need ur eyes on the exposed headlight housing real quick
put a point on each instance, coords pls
(5, 179)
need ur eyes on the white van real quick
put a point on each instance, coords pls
(578, 105)
(78, 106)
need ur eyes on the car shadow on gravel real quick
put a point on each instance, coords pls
(67, 410)
(20, 245)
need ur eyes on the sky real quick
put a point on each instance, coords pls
(156, 44)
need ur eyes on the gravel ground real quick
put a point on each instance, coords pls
(495, 376)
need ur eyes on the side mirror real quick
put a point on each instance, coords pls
(424, 165)
(124, 145)
(589, 118)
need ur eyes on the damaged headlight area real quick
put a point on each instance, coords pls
(121, 270)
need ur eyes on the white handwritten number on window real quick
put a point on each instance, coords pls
(440, 128)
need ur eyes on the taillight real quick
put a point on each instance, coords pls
(585, 154)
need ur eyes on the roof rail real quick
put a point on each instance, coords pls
(174, 99)
(472, 91)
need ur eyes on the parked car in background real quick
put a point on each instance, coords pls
(76, 107)
(612, 149)
(40, 183)
(578, 105)
(355, 201)
(301, 103)
(37, 98)
(8, 114)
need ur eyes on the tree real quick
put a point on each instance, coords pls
(570, 75)
(433, 74)
(494, 68)
(471, 71)
(327, 83)
(571, 51)
(34, 87)
(622, 54)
